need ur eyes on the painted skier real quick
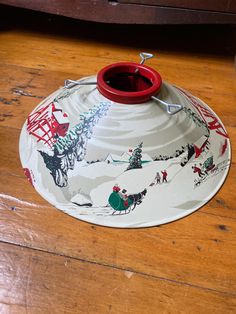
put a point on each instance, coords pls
(208, 165)
(164, 176)
(157, 179)
(198, 171)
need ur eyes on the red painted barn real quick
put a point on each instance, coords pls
(60, 123)
(47, 123)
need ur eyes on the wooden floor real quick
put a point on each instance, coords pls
(53, 263)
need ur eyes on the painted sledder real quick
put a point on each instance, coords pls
(207, 168)
(123, 203)
(208, 165)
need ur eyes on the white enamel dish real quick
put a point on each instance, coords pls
(122, 165)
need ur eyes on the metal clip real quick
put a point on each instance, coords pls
(170, 108)
(71, 83)
(145, 56)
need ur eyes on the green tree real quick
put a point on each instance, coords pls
(135, 161)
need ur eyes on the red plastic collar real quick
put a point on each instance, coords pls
(138, 84)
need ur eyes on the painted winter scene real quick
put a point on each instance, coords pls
(124, 165)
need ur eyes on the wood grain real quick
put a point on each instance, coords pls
(195, 256)
(45, 283)
(53, 263)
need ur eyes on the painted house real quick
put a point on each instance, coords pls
(124, 158)
(60, 123)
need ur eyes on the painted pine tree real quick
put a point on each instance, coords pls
(135, 161)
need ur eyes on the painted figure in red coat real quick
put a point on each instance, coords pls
(198, 171)
(164, 176)
(116, 188)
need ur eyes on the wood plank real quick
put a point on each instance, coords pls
(55, 47)
(45, 283)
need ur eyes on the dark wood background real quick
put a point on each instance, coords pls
(208, 5)
(138, 11)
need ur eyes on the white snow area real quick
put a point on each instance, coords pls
(161, 201)
(80, 199)
(98, 169)
(134, 181)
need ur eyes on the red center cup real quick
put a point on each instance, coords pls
(128, 82)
